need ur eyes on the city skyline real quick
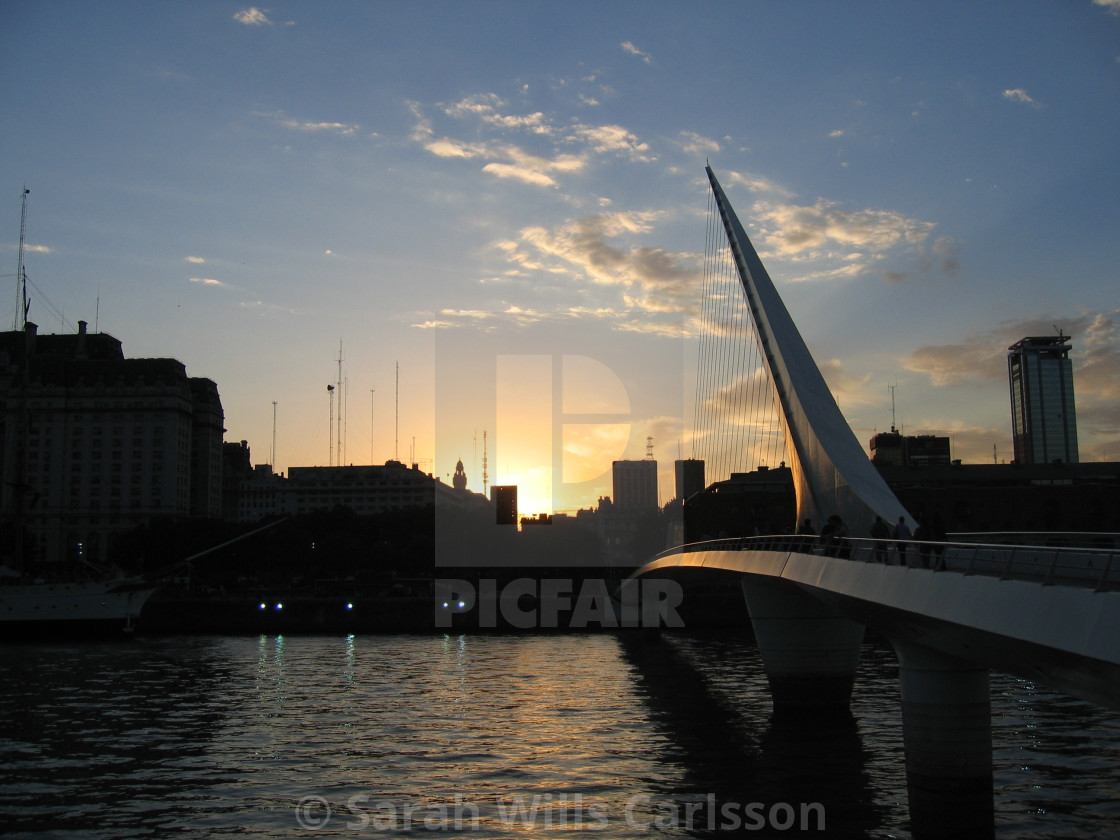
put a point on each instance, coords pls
(243, 188)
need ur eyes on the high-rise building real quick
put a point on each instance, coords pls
(93, 444)
(690, 477)
(504, 497)
(1043, 418)
(635, 485)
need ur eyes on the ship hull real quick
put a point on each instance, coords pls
(29, 612)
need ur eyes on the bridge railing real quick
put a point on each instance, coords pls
(1098, 568)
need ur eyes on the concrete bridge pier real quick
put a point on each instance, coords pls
(947, 733)
(809, 650)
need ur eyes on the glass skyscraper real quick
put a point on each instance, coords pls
(1043, 418)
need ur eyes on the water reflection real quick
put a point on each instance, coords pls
(709, 696)
(214, 737)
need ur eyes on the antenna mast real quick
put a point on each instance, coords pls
(22, 303)
(485, 474)
(397, 417)
(330, 443)
(892, 387)
(340, 392)
(272, 459)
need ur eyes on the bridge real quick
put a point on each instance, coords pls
(952, 611)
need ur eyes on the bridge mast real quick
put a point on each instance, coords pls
(831, 473)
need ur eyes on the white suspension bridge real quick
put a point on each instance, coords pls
(1050, 615)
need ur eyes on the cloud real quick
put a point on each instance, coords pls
(452, 149)
(696, 144)
(971, 359)
(437, 325)
(1020, 95)
(207, 281)
(650, 281)
(335, 127)
(344, 129)
(943, 257)
(756, 183)
(628, 47)
(513, 161)
(746, 401)
(635, 288)
(252, 17)
(477, 314)
(1110, 6)
(849, 390)
(1095, 353)
(485, 107)
(611, 138)
(530, 168)
(837, 243)
(196, 260)
(792, 229)
(946, 252)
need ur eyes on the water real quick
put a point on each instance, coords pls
(615, 736)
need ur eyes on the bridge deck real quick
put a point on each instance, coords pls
(1047, 614)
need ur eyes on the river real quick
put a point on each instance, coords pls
(550, 735)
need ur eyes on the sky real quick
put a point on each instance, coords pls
(495, 213)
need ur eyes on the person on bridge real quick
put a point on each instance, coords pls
(833, 537)
(805, 530)
(938, 536)
(880, 532)
(901, 535)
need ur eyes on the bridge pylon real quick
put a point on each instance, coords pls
(809, 650)
(831, 472)
(947, 736)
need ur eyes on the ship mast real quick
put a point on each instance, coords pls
(19, 486)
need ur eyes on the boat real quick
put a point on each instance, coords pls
(73, 609)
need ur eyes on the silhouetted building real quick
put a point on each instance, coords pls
(459, 480)
(99, 443)
(504, 497)
(746, 504)
(237, 467)
(689, 476)
(366, 490)
(967, 497)
(1043, 418)
(635, 485)
(897, 450)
